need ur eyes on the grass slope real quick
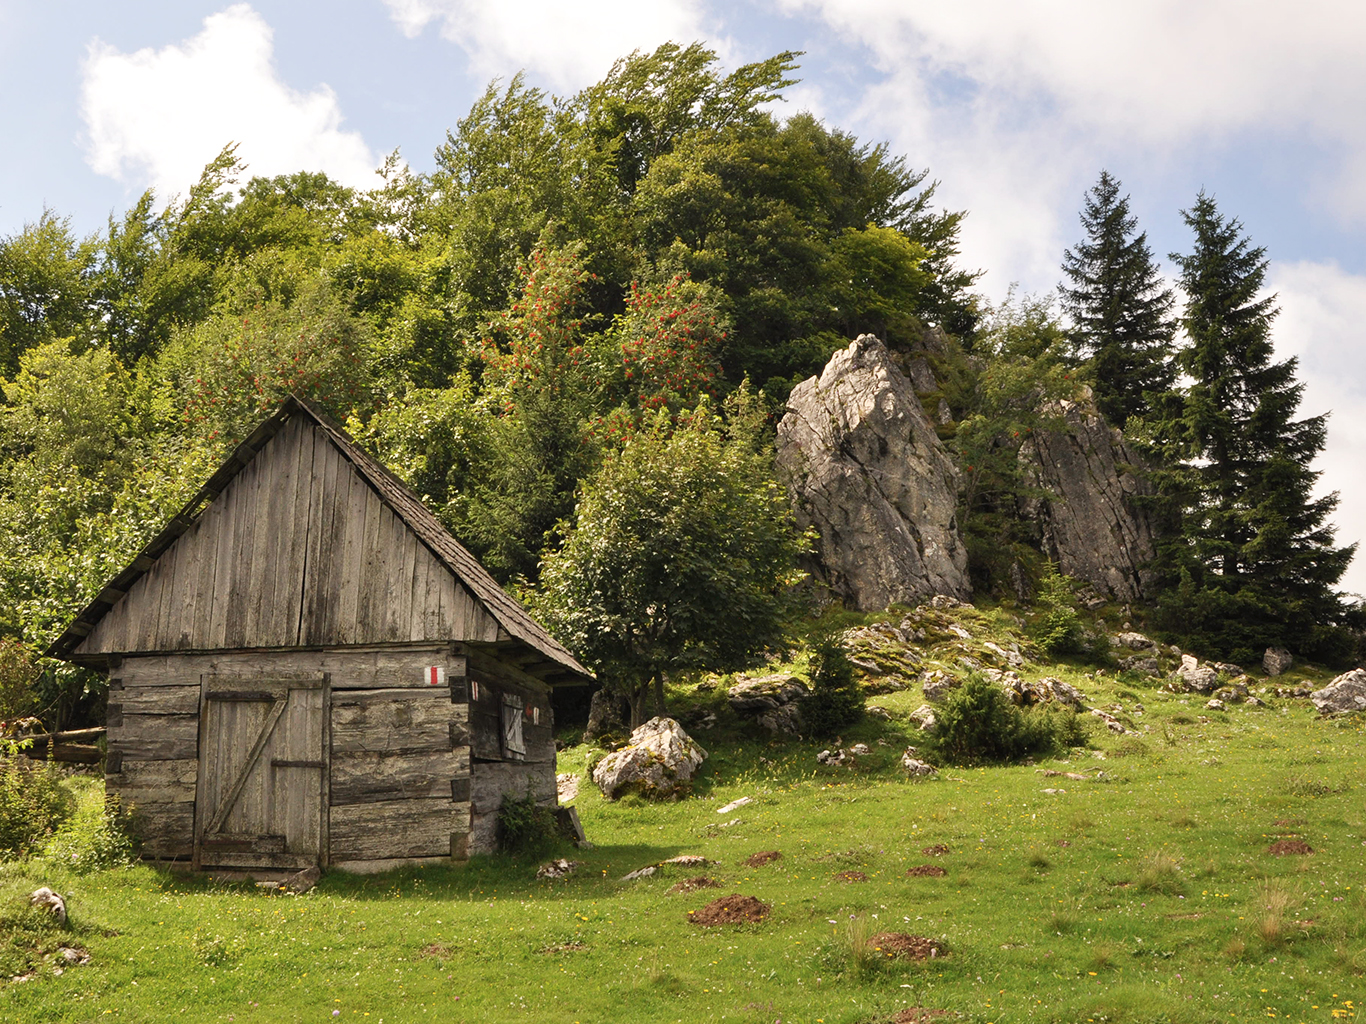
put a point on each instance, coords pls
(1145, 894)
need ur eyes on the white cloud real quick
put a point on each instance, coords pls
(156, 117)
(1015, 105)
(1323, 322)
(1165, 69)
(568, 45)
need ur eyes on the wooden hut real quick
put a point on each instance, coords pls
(305, 669)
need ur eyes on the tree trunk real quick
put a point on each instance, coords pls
(659, 694)
(638, 696)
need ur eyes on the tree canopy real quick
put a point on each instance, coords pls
(681, 555)
(537, 335)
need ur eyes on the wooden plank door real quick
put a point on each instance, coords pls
(263, 772)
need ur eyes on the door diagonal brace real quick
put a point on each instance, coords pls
(225, 808)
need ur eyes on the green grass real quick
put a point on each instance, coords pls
(1145, 897)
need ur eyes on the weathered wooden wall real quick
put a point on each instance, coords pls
(298, 550)
(397, 749)
(496, 771)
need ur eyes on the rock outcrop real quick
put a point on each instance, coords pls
(864, 466)
(1091, 524)
(1276, 660)
(1193, 677)
(775, 701)
(659, 762)
(1345, 693)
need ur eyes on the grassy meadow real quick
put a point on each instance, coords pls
(1145, 892)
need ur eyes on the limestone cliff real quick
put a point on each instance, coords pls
(864, 466)
(1092, 525)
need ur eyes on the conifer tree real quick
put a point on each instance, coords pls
(1120, 311)
(1253, 560)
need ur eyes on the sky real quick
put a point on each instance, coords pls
(1014, 106)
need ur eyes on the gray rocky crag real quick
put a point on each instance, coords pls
(1345, 693)
(864, 466)
(775, 701)
(1091, 523)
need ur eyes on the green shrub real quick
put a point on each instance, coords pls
(1058, 630)
(524, 826)
(94, 838)
(835, 700)
(18, 669)
(978, 723)
(33, 803)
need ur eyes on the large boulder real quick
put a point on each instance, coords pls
(1276, 660)
(659, 762)
(765, 693)
(1345, 693)
(1092, 523)
(866, 469)
(1193, 677)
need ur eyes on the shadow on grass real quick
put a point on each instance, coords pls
(602, 866)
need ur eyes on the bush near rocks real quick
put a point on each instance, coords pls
(835, 700)
(525, 826)
(979, 723)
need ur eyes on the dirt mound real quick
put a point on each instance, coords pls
(1289, 848)
(937, 850)
(732, 909)
(689, 884)
(926, 871)
(906, 947)
(851, 876)
(917, 1015)
(760, 859)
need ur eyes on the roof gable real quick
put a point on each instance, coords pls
(302, 539)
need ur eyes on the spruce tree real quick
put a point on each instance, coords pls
(1253, 560)
(1120, 311)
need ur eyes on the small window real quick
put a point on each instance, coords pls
(514, 745)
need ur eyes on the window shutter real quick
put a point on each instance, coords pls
(514, 745)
